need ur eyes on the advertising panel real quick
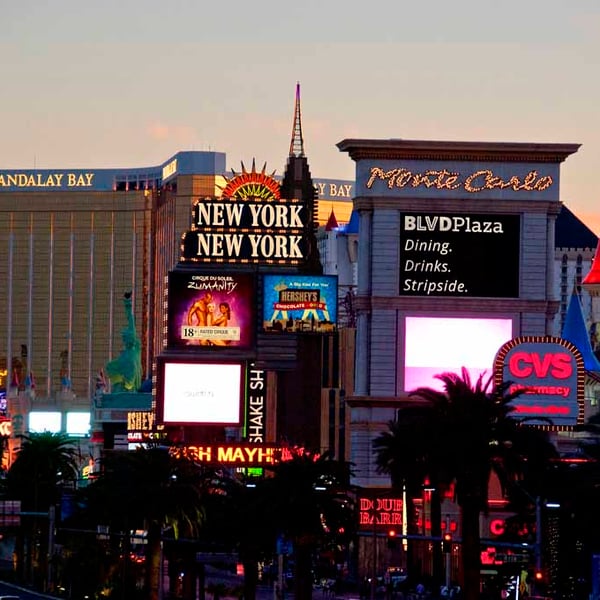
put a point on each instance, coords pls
(472, 255)
(299, 303)
(194, 393)
(210, 309)
(550, 374)
(435, 345)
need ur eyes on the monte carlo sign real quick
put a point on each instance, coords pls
(249, 224)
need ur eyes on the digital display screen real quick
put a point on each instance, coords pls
(299, 303)
(210, 309)
(435, 345)
(199, 393)
(470, 255)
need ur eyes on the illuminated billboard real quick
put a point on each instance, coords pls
(435, 345)
(41, 421)
(210, 309)
(78, 423)
(256, 405)
(549, 372)
(469, 255)
(199, 393)
(249, 224)
(299, 303)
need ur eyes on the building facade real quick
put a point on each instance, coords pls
(456, 257)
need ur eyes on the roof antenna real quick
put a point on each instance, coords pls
(297, 143)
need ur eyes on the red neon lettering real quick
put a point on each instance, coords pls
(541, 366)
(551, 409)
(497, 526)
(562, 366)
(515, 361)
(525, 364)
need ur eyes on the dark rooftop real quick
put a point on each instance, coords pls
(570, 232)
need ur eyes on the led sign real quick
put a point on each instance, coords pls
(549, 373)
(199, 393)
(434, 345)
(240, 455)
(299, 303)
(247, 455)
(459, 255)
(256, 406)
(140, 420)
(210, 309)
(142, 427)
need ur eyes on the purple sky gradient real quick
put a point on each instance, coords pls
(129, 83)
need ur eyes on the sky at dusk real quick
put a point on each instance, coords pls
(130, 83)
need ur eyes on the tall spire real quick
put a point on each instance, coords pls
(297, 143)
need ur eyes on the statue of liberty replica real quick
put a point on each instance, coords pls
(125, 371)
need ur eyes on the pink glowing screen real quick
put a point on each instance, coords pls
(435, 345)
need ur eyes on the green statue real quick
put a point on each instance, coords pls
(125, 371)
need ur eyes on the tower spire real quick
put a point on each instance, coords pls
(297, 143)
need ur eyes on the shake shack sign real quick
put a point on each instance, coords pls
(250, 228)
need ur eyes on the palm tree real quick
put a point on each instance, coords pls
(468, 433)
(310, 504)
(243, 520)
(45, 463)
(405, 452)
(152, 490)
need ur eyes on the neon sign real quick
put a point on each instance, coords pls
(379, 512)
(256, 406)
(549, 374)
(443, 179)
(241, 455)
(251, 184)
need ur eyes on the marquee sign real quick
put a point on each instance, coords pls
(549, 372)
(249, 224)
(444, 179)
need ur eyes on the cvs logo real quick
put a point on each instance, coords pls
(526, 364)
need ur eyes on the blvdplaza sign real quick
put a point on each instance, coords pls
(249, 224)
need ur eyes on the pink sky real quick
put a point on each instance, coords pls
(123, 83)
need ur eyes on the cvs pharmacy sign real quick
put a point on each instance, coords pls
(549, 374)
